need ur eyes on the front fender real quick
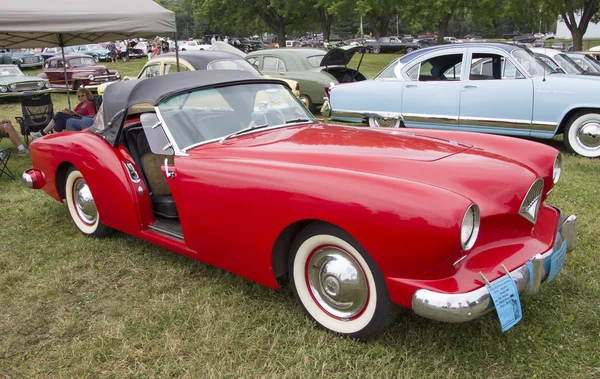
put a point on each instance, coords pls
(102, 167)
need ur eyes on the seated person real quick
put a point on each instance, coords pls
(8, 130)
(86, 109)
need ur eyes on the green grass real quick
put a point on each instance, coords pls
(72, 306)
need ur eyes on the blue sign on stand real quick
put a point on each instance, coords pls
(506, 300)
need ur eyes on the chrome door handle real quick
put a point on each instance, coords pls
(169, 174)
(410, 86)
(467, 86)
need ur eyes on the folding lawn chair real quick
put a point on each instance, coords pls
(38, 111)
(4, 157)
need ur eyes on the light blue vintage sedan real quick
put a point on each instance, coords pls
(480, 87)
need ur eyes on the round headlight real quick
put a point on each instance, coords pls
(557, 168)
(21, 60)
(117, 75)
(12, 86)
(91, 77)
(47, 84)
(3, 89)
(40, 83)
(470, 227)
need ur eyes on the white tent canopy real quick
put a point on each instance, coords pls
(49, 23)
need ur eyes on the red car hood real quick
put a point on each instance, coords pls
(481, 176)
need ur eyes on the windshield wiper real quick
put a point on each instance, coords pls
(298, 120)
(246, 129)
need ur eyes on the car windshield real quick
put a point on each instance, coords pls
(82, 61)
(10, 71)
(209, 114)
(95, 47)
(315, 60)
(390, 71)
(593, 65)
(568, 64)
(532, 63)
(233, 64)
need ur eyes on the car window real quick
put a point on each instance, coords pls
(390, 71)
(233, 64)
(192, 43)
(53, 64)
(150, 71)
(273, 64)
(546, 59)
(488, 66)
(171, 68)
(253, 61)
(210, 113)
(315, 60)
(568, 64)
(531, 63)
(438, 68)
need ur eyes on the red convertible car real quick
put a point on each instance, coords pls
(81, 70)
(231, 169)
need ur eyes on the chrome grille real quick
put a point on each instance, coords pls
(25, 86)
(31, 60)
(533, 201)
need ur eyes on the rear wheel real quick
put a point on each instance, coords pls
(582, 135)
(409, 50)
(308, 103)
(338, 284)
(376, 50)
(82, 207)
(380, 122)
(76, 84)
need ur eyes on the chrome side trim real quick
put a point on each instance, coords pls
(495, 122)
(463, 307)
(365, 114)
(430, 118)
(544, 126)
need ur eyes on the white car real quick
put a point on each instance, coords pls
(193, 46)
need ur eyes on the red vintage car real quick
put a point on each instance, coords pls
(81, 70)
(231, 169)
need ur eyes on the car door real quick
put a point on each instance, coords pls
(431, 95)
(497, 97)
(273, 66)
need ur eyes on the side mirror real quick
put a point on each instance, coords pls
(157, 139)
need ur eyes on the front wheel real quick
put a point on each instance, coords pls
(376, 50)
(82, 207)
(380, 122)
(582, 135)
(338, 284)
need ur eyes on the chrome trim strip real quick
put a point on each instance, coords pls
(430, 118)
(544, 125)
(365, 114)
(165, 232)
(463, 307)
(495, 122)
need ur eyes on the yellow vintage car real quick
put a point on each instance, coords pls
(166, 64)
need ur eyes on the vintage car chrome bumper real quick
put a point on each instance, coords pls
(462, 307)
(21, 93)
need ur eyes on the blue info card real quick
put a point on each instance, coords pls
(557, 261)
(506, 299)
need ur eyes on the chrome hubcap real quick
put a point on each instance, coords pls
(588, 136)
(84, 202)
(337, 282)
(386, 122)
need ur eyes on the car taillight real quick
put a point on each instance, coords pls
(327, 92)
(297, 86)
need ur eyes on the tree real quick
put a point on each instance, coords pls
(569, 10)
(379, 13)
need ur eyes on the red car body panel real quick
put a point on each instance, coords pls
(391, 190)
(56, 75)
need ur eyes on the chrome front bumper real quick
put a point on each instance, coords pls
(462, 307)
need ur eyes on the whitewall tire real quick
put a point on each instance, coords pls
(582, 135)
(380, 122)
(338, 284)
(82, 207)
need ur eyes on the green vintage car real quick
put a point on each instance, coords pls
(14, 83)
(95, 51)
(313, 69)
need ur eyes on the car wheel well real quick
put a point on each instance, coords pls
(61, 178)
(281, 248)
(570, 114)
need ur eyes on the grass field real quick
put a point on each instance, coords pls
(72, 306)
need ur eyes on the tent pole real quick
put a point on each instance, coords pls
(62, 51)
(176, 49)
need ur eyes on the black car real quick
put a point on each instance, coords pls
(392, 45)
(247, 45)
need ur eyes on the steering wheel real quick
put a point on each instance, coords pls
(270, 116)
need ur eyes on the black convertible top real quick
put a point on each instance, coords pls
(118, 97)
(201, 59)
